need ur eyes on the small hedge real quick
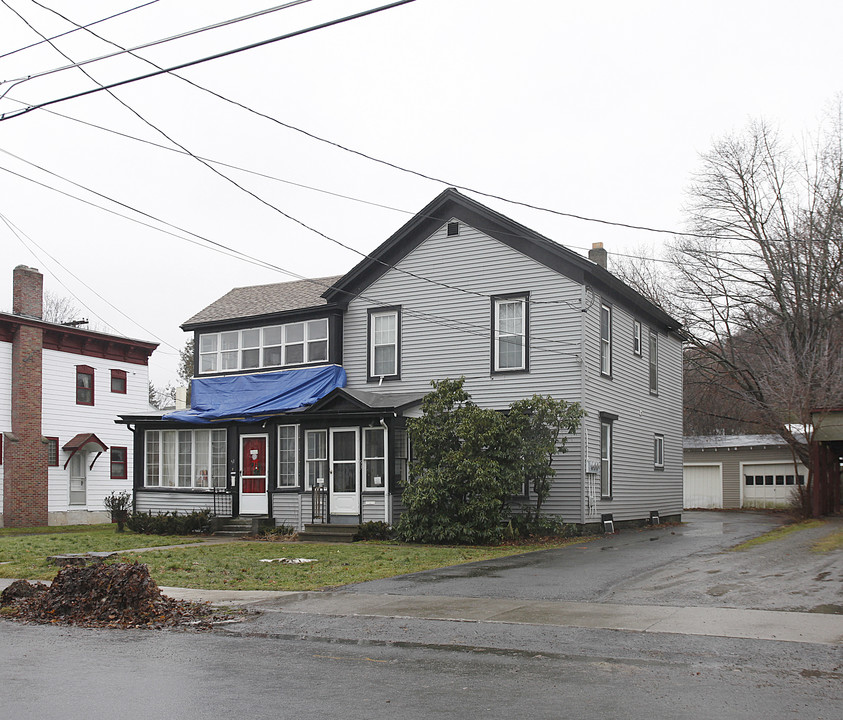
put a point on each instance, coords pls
(529, 525)
(374, 530)
(169, 523)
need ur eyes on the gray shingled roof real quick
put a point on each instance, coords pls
(257, 300)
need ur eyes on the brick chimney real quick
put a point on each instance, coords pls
(598, 255)
(25, 456)
(28, 292)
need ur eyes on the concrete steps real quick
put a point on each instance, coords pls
(238, 527)
(328, 533)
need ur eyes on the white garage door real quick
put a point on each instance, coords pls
(770, 484)
(703, 486)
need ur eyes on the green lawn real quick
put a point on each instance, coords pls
(237, 565)
(779, 533)
(25, 555)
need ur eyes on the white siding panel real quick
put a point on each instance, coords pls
(63, 418)
(5, 402)
(373, 508)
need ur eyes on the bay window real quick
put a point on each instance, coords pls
(185, 458)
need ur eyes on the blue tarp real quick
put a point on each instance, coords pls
(250, 397)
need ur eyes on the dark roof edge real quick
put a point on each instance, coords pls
(247, 319)
(542, 249)
(11, 318)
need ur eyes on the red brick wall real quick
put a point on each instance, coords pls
(25, 459)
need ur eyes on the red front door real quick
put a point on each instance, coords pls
(253, 475)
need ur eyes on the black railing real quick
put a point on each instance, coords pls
(223, 505)
(319, 504)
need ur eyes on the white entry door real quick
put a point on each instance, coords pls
(253, 475)
(345, 472)
(78, 478)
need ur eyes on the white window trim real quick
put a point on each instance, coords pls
(606, 342)
(653, 362)
(193, 460)
(395, 343)
(307, 342)
(367, 458)
(498, 335)
(307, 458)
(606, 454)
(658, 450)
(295, 482)
(636, 337)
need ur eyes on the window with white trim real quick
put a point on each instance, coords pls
(185, 458)
(510, 333)
(315, 458)
(383, 343)
(654, 363)
(297, 343)
(636, 337)
(605, 340)
(288, 456)
(606, 458)
(658, 451)
(374, 458)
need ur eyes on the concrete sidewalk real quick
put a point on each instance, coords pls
(720, 622)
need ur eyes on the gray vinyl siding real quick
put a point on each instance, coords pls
(731, 459)
(373, 508)
(156, 501)
(637, 487)
(286, 509)
(447, 333)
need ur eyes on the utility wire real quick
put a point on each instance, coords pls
(20, 234)
(76, 29)
(72, 64)
(199, 61)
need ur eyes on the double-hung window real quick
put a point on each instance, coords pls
(509, 333)
(384, 346)
(658, 451)
(84, 385)
(654, 363)
(118, 381)
(374, 458)
(315, 458)
(606, 454)
(636, 337)
(288, 456)
(606, 340)
(119, 465)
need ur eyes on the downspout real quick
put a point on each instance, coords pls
(584, 435)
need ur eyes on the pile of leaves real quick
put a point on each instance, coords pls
(119, 595)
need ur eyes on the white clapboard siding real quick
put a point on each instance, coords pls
(373, 508)
(5, 401)
(155, 502)
(637, 487)
(63, 418)
(286, 509)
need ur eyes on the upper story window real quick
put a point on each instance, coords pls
(605, 340)
(273, 346)
(118, 381)
(636, 337)
(384, 332)
(654, 363)
(509, 318)
(84, 385)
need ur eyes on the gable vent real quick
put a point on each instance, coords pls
(453, 229)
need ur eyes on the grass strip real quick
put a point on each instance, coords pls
(778, 533)
(831, 542)
(25, 556)
(238, 566)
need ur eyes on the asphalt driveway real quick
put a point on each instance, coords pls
(688, 565)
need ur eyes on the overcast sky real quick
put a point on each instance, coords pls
(599, 109)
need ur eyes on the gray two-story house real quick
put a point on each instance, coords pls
(310, 383)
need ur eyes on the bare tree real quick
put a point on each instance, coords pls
(60, 309)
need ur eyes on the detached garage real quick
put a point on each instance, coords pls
(735, 471)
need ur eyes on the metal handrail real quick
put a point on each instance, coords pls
(319, 504)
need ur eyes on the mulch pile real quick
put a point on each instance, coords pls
(119, 595)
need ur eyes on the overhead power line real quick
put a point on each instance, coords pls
(131, 51)
(76, 29)
(199, 61)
